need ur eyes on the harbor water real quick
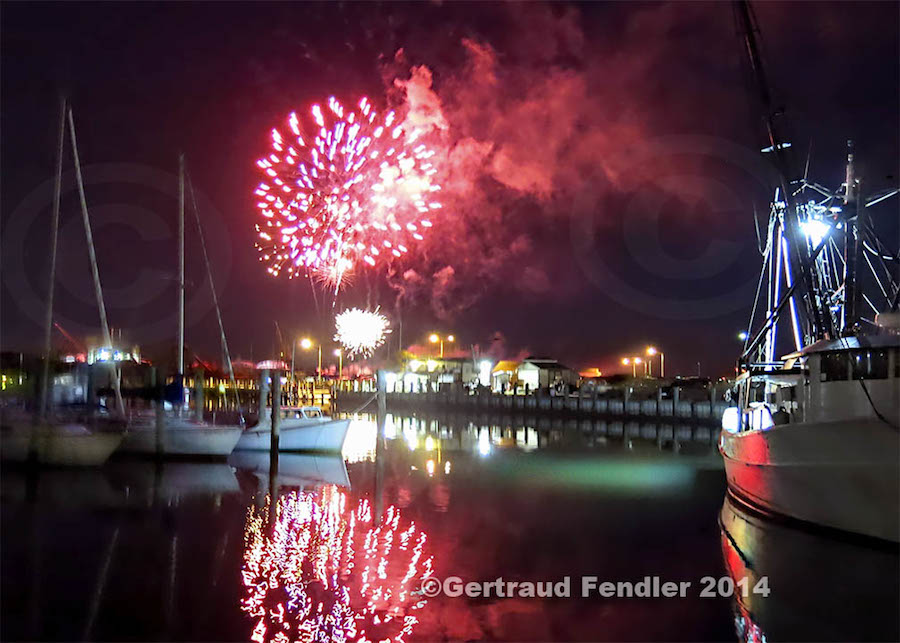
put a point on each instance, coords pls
(198, 551)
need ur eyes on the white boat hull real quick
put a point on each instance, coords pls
(298, 435)
(182, 437)
(59, 446)
(844, 475)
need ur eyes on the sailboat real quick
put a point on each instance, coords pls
(48, 436)
(175, 434)
(814, 434)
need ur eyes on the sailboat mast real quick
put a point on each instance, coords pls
(54, 235)
(98, 290)
(226, 354)
(180, 268)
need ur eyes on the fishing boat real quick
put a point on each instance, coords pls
(816, 438)
(176, 433)
(814, 430)
(303, 428)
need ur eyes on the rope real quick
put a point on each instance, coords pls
(877, 412)
(364, 404)
(215, 298)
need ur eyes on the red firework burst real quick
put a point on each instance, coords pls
(341, 189)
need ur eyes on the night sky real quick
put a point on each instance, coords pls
(600, 163)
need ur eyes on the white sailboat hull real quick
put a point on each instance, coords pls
(298, 435)
(181, 437)
(844, 475)
(62, 446)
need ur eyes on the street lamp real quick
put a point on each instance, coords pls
(340, 355)
(634, 361)
(434, 338)
(306, 343)
(651, 351)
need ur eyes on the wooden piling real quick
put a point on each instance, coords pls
(199, 381)
(263, 405)
(159, 410)
(276, 421)
(381, 384)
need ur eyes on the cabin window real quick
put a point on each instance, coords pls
(834, 367)
(870, 364)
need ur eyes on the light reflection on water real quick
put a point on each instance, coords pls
(198, 551)
(318, 568)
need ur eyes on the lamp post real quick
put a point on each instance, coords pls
(634, 361)
(340, 355)
(651, 351)
(434, 338)
(306, 343)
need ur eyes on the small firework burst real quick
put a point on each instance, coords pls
(360, 332)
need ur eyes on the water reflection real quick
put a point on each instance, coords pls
(821, 586)
(304, 470)
(195, 551)
(487, 435)
(321, 567)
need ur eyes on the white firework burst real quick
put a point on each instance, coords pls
(360, 332)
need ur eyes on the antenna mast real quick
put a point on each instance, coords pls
(819, 324)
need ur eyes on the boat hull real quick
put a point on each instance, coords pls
(59, 447)
(183, 440)
(298, 435)
(842, 475)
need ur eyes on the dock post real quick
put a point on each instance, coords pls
(199, 378)
(91, 393)
(263, 406)
(381, 384)
(159, 411)
(276, 419)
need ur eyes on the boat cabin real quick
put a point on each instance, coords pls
(842, 379)
(302, 413)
